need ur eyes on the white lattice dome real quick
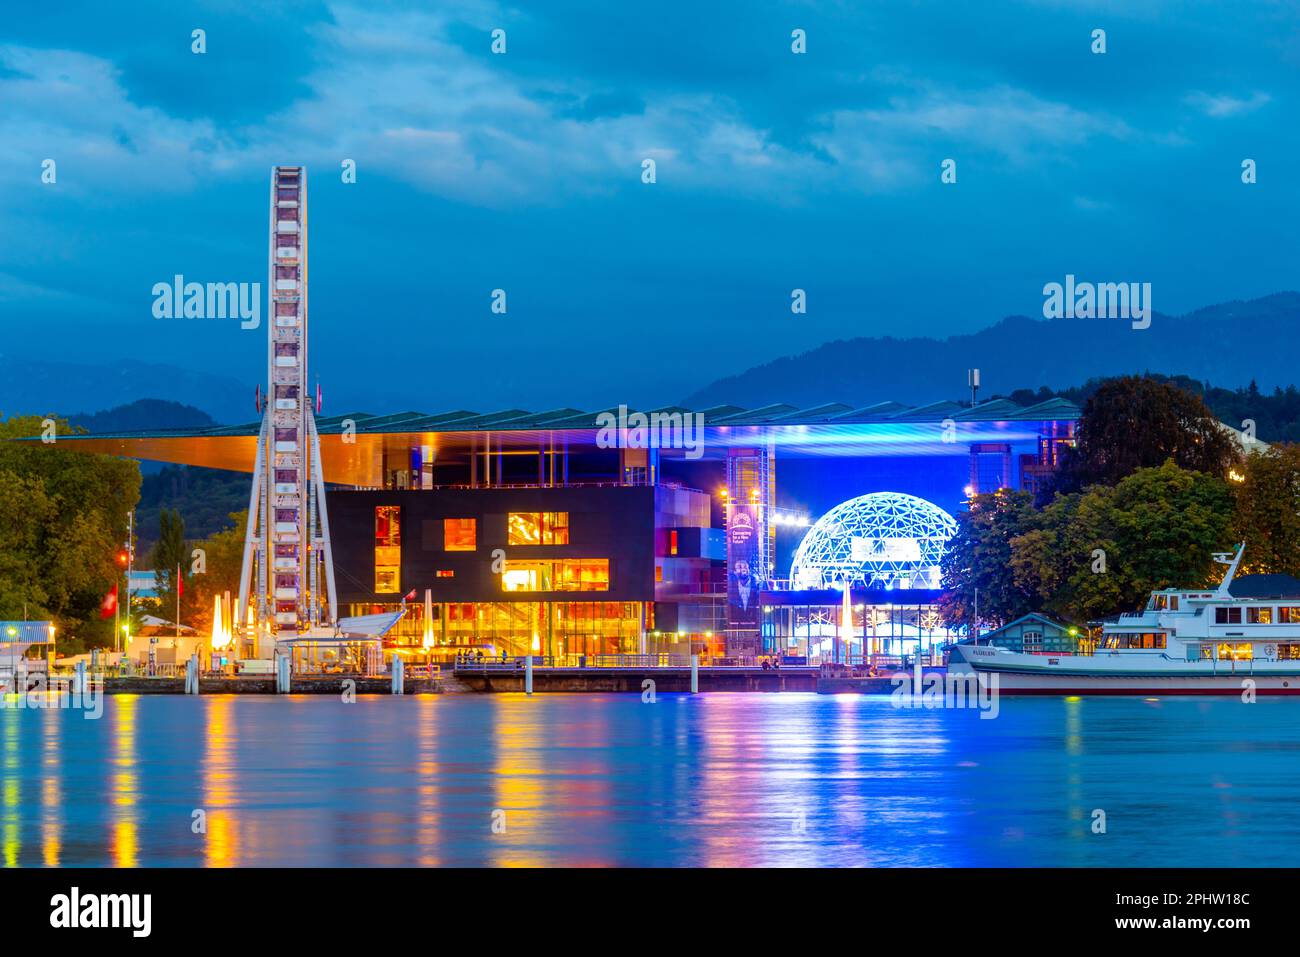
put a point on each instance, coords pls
(885, 538)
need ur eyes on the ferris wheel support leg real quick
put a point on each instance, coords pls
(318, 489)
(252, 531)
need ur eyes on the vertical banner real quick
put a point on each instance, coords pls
(745, 571)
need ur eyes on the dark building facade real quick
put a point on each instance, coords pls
(556, 571)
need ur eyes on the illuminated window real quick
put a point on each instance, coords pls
(388, 549)
(672, 542)
(460, 534)
(446, 573)
(571, 574)
(1259, 616)
(537, 528)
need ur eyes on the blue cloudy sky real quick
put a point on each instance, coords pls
(522, 171)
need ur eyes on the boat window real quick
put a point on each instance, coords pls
(1259, 616)
(1173, 603)
(1147, 640)
(1240, 650)
(1227, 616)
(1289, 615)
(1288, 651)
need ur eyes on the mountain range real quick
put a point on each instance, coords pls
(1231, 344)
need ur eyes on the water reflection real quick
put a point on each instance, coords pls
(51, 794)
(12, 790)
(742, 780)
(219, 783)
(124, 782)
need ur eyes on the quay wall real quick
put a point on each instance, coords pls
(666, 680)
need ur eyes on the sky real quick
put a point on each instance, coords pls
(523, 171)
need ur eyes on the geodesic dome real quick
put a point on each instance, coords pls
(885, 538)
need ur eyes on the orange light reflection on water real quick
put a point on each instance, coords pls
(221, 844)
(124, 782)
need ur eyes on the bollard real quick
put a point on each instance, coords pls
(282, 675)
(79, 682)
(528, 675)
(397, 675)
(189, 677)
(695, 674)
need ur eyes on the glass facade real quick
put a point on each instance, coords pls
(538, 528)
(459, 534)
(388, 549)
(566, 574)
(560, 629)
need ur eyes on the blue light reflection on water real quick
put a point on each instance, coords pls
(721, 779)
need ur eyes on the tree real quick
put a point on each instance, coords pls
(222, 557)
(1137, 422)
(169, 555)
(1267, 516)
(1158, 528)
(979, 557)
(65, 517)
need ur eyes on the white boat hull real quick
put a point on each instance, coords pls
(1148, 675)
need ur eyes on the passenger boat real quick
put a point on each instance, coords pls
(1185, 641)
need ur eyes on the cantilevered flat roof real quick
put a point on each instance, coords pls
(355, 445)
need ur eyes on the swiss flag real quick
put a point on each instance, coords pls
(108, 607)
(409, 596)
(180, 583)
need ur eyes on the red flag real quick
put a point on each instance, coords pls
(409, 596)
(108, 607)
(318, 398)
(180, 583)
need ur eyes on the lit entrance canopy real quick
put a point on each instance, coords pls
(354, 447)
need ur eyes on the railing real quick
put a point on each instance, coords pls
(665, 660)
(676, 486)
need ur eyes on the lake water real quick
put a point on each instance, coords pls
(711, 779)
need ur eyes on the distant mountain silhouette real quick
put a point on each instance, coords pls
(32, 386)
(1230, 344)
(143, 415)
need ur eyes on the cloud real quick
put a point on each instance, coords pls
(1222, 105)
(402, 94)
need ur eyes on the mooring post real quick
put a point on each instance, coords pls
(528, 674)
(397, 675)
(189, 676)
(282, 674)
(695, 674)
(79, 682)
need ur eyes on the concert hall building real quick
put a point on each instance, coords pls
(560, 534)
